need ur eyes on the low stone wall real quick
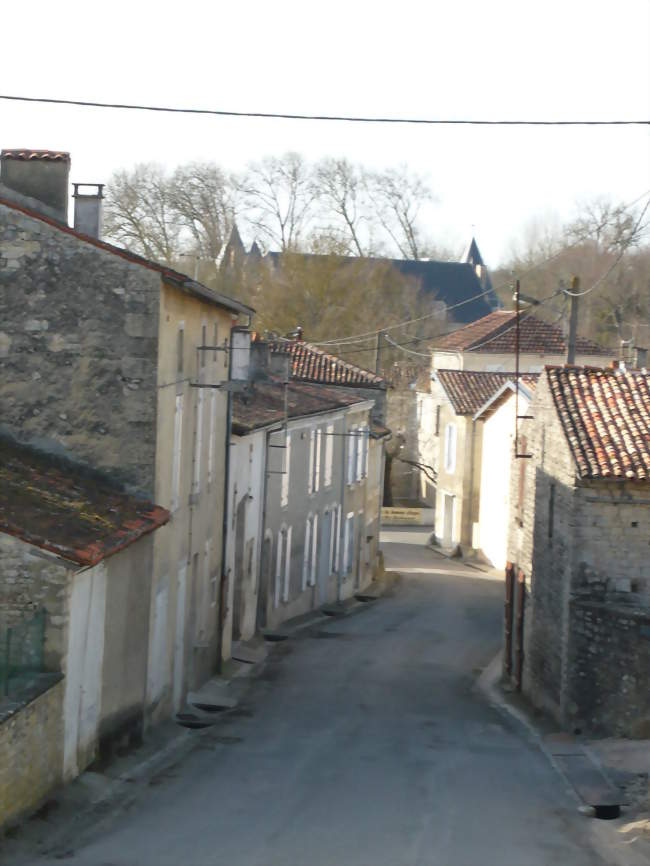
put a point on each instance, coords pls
(31, 753)
(608, 687)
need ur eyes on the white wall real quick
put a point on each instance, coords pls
(496, 464)
(83, 669)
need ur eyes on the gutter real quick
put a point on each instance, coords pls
(224, 528)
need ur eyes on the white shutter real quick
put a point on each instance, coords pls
(177, 452)
(284, 494)
(350, 439)
(310, 470)
(319, 436)
(314, 549)
(332, 541)
(198, 442)
(213, 421)
(329, 454)
(278, 567)
(366, 451)
(337, 540)
(359, 452)
(287, 565)
(306, 552)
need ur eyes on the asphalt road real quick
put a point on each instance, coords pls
(364, 743)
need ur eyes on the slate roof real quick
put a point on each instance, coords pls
(262, 404)
(605, 415)
(496, 332)
(469, 390)
(182, 281)
(53, 505)
(455, 283)
(310, 363)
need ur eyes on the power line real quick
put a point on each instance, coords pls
(354, 338)
(269, 115)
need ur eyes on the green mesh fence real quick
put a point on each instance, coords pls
(21, 651)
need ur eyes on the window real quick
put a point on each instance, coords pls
(213, 424)
(437, 428)
(198, 442)
(283, 565)
(284, 493)
(329, 454)
(348, 543)
(332, 517)
(177, 452)
(179, 347)
(450, 448)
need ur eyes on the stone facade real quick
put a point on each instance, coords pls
(78, 349)
(582, 546)
(31, 754)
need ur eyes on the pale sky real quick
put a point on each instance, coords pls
(576, 59)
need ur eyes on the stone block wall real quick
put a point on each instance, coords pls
(78, 349)
(31, 580)
(31, 754)
(608, 687)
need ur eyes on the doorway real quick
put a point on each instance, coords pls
(448, 520)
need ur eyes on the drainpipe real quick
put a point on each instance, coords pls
(471, 481)
(224, 544)
(344, 464)
(262, 533)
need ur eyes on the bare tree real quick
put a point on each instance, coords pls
(398, 196)
(342, 191)
(279, 194)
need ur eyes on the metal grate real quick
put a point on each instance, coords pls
(21, 651)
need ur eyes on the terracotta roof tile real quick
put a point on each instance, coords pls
(468, 390)
(309, 363)
(27, 153)
(497, 333)
(64, 509)
(605, 415)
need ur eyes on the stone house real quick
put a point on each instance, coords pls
(486, 346)
(578, 601)
(305, 482)
(101, 356)
(490, 532)
(76, 549)
(457, 452)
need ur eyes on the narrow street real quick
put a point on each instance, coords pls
(364, 743)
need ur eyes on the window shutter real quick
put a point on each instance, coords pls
(319, 436)
(329, 454)
(314, 549)
(284, 496)
(306, 552)
(310, 471)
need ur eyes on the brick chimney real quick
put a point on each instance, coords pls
(88, 208)
(40, 177)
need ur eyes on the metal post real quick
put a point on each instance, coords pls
(7, 660)
(573, 321)
(517, 368)
(378, 353)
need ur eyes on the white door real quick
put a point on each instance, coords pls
(448, 525)
(179, 640)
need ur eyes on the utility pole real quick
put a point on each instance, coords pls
(378, 352)
(573, 321)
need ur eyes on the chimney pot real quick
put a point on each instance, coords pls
(88, 209)
(39, 175)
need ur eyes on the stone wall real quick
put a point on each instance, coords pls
(30, 580)
(31, 754)
(609, 662)
(78, 349)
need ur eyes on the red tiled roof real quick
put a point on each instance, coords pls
(312, 364)
(27, 153)
(497, 333)
(181, 280)
(64, 509)
(605, 415)
(468, 390)
(263, 403)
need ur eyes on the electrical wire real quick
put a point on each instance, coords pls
(269, 115)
